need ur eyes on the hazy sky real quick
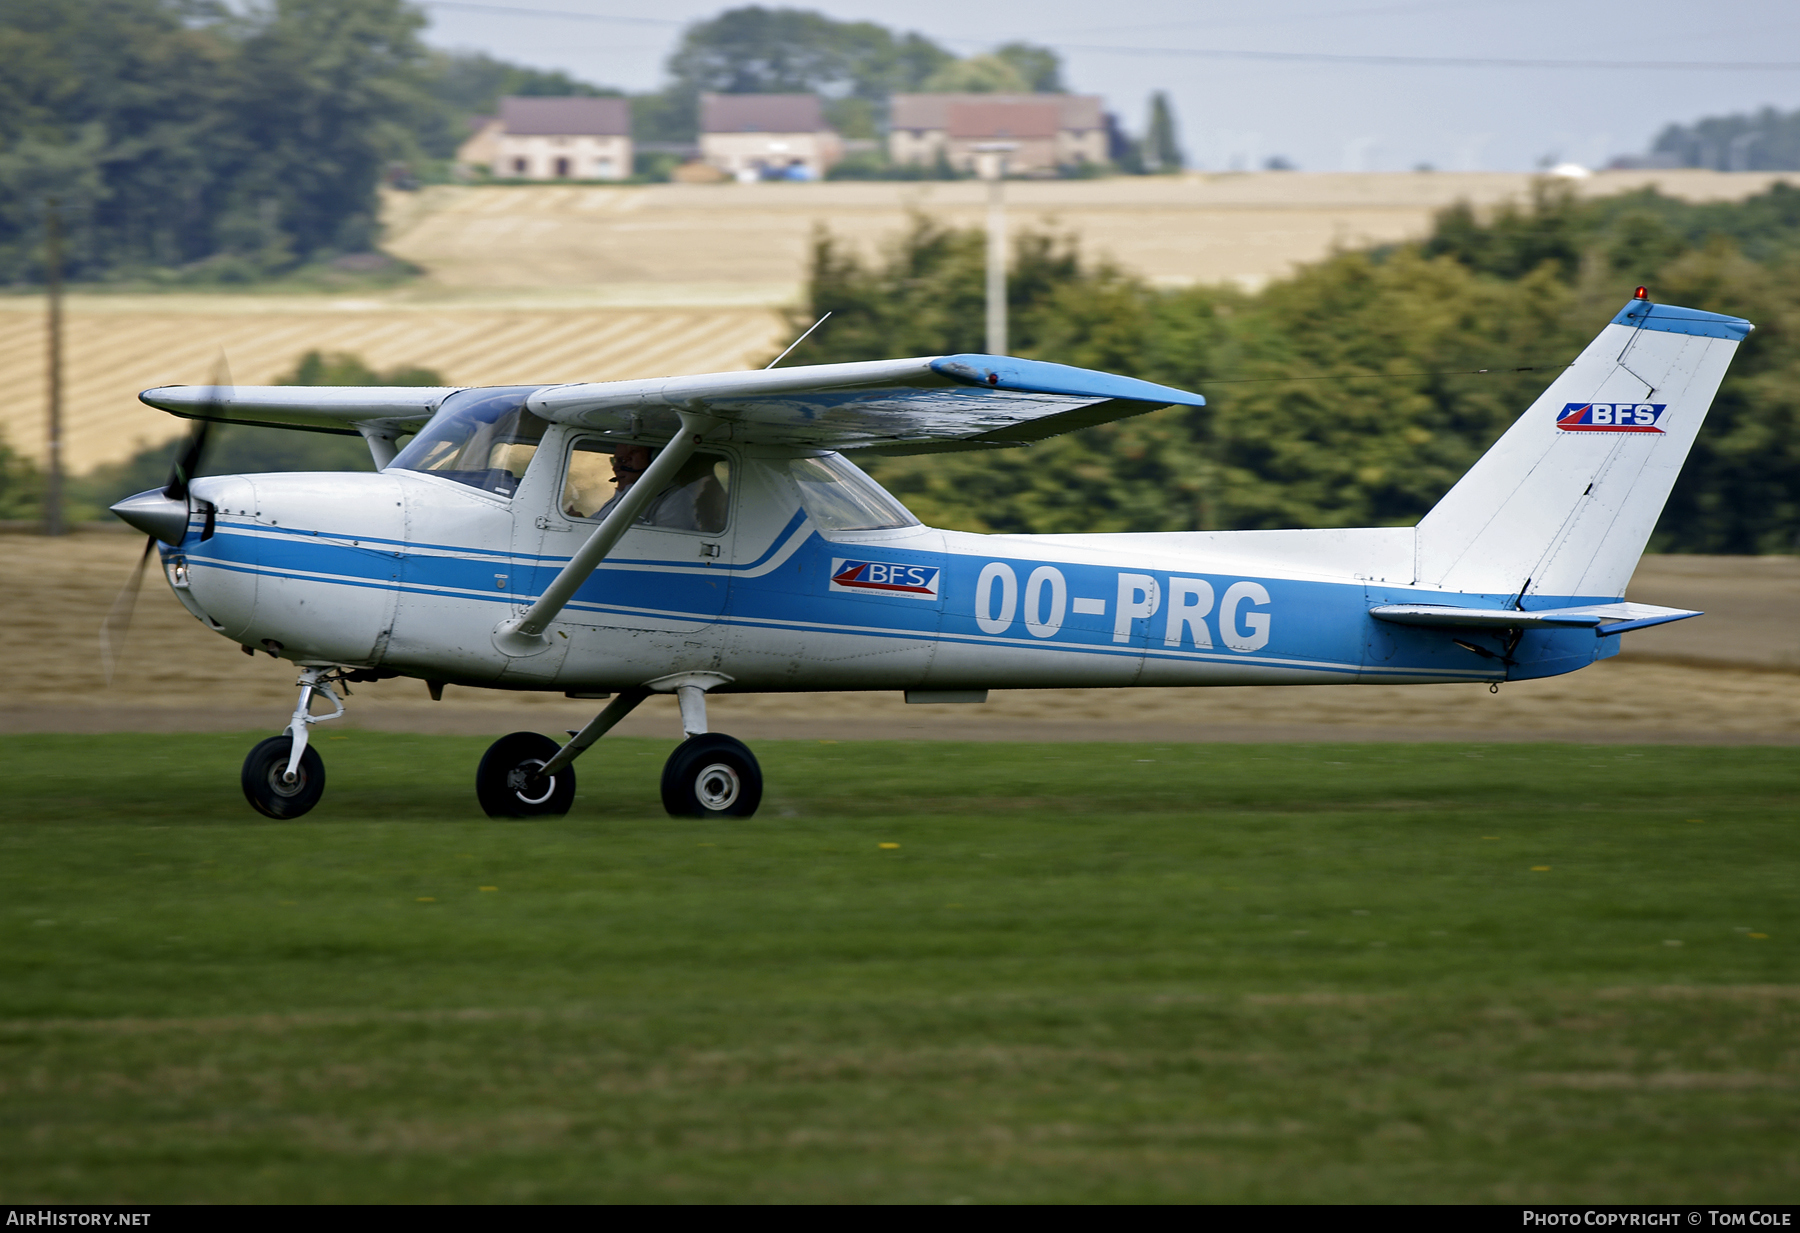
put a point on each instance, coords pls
(1324, 116)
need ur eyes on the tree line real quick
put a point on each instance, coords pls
(170, 133)
(232, 145)
(1765, 140)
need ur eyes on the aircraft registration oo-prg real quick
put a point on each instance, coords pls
(691, 535)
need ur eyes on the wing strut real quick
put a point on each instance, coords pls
(525, 636)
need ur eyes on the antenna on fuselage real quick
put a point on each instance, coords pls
(809, 329)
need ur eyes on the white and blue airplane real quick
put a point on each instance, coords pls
(703, 534)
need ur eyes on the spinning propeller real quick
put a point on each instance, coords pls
(163, 514)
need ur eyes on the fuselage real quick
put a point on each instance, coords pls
(412, 573)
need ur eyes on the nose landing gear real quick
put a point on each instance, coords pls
(268, 787)
(284, 777)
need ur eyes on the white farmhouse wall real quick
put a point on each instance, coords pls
(528, 157)
(737, 153)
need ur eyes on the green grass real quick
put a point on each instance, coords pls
(1087, 972)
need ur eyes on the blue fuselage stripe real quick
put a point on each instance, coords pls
(997, 602)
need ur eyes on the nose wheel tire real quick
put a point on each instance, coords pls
(711, 776)
(508, 783)
(266, 786)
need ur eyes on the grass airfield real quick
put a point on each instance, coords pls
(1085, 973)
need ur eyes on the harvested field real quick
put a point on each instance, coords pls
(119, 345)
(1732, 676)
(662, 239)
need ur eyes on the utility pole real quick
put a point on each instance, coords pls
(991, 165)
(1740, 150)
(53, 477)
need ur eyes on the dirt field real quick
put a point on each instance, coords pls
(1730, 677)
(539, 283)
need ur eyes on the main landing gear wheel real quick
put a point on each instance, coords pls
(508, 783)
(711, 776)
(265, 779)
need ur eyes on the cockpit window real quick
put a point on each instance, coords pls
(483, 438)
(839, 497)
(696, 498)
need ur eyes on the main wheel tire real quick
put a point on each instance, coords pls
(268, 791)
(711, 776)
(507, 783)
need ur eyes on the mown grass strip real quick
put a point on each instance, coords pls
(925, 971)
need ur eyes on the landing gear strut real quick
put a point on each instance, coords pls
(283, 776)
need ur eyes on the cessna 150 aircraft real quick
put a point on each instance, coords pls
(707, 534)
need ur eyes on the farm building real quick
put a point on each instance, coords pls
(1047, 131)
(767, 136)
(553, 139)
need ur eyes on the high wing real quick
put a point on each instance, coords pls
(932, 403)
(340, 409)
(952, 402)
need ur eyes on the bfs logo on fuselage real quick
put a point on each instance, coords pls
(885, 578)
(1611, 417)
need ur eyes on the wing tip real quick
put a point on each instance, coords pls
(1006, 372)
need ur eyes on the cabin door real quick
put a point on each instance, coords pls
(667, 573)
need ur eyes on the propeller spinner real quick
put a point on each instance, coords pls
(163, 513)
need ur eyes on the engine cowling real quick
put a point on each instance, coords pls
(303, 563)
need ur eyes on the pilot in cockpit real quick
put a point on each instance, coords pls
(694, 501)
(628, 464)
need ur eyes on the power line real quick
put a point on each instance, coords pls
(1359, 376)
(1224, 53)
(1311, 19)
(564, 14)
(1319, 57)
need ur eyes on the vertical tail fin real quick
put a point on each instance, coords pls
(1567, 498)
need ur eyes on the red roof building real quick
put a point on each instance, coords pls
(1046, 131)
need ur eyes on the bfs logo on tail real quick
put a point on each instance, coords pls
(1610, 417)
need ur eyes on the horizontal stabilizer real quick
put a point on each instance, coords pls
(1603, 619)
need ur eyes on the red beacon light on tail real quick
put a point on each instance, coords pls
(1642, 293)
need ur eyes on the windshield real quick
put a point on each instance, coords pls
(482, 438)
(839, 497)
